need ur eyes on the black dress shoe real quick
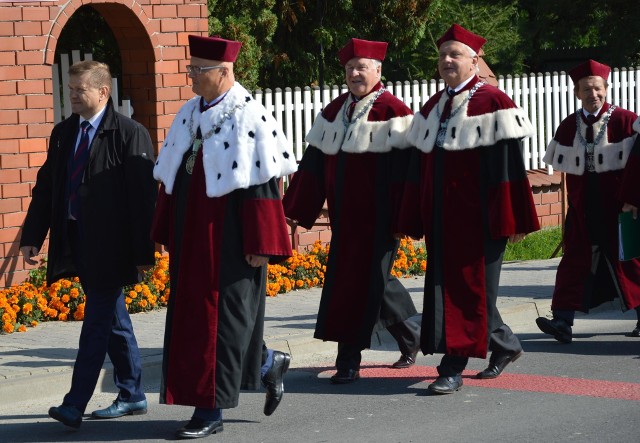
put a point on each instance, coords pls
(405, 361)
(635, 332)
(497, 363)
(344, 376)
(67, 415)
(198, 428)
(446, 385)
(273, 382)
(557, 327)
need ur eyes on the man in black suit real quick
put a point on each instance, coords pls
(95, 195)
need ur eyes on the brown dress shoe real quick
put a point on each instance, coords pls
(405, 361)
(497, 363)
(344, 376)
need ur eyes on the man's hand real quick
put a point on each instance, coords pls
(28, 252)
(256, 260)
(627, 207)
(515, 238)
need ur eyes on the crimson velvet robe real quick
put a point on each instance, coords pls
(214, 329)
(210, 220)
(358, 171)
(466, 199)
(590, 273)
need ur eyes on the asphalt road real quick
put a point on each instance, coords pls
(588, 391)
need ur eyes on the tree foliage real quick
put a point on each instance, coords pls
(88, 32)
(311, 32)
(251, 22)
(295, 42)
(566, 31)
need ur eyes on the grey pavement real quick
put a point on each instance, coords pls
(39, 362)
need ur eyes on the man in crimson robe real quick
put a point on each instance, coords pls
(220, 215)
(467, 192)
(592, 147)
(355, 161)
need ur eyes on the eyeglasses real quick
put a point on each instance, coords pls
(195, 70)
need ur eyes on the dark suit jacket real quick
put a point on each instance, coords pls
(117, 200)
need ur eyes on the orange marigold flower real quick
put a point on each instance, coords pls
(65, 298)
(27, 308)
(34, 323)
(22, 328)
(8, 328)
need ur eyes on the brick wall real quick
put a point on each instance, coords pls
(547, 196)
(152, 37)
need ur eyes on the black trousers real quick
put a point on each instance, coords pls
(501, 339)
(406, 333)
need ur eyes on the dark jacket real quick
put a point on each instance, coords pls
(117, 200)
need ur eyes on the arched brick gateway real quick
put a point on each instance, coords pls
(152, 37)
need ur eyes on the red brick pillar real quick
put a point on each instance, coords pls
(152, 36)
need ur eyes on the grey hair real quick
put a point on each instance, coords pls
(472, 54)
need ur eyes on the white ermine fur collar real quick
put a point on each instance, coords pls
(606, 156)
(468, 132)
(249, 148)
(361, 135)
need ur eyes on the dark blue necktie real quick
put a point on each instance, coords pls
(591, 119)
(78, 164)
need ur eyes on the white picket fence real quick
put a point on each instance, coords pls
(547, 98)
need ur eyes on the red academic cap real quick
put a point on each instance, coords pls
(588, 69)
(362, 48)
(459, 34)
(214, 48)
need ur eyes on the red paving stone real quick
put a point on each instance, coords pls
(513, 382)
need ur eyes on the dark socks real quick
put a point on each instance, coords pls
(206, 414)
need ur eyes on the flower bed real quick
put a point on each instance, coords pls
(32, 302)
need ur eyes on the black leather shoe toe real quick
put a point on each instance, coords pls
(405, 361)
(198, 428)
(446, 385)
(635, 332)
(560, 329)
(344, 376)
(67, 415)
(497, 363)
(273, 381)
